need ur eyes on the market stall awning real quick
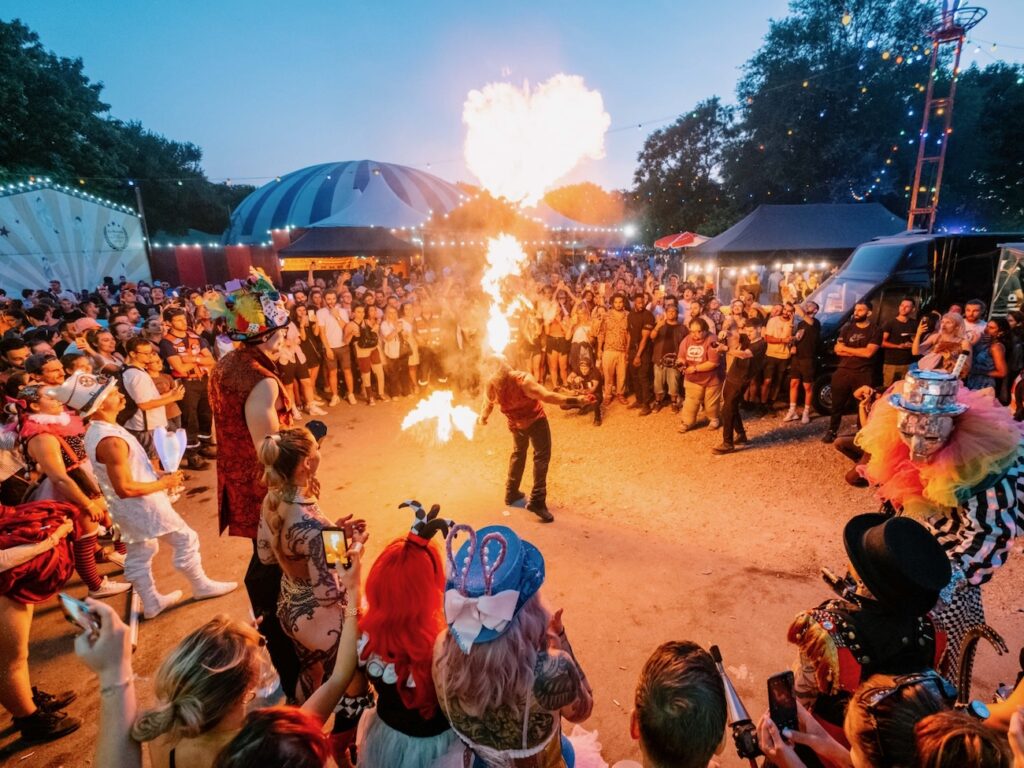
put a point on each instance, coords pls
(679, 240)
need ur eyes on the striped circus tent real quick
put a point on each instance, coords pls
(355, 193)
(52, 232)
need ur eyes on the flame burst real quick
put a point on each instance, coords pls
(519, 141)
(450, 418)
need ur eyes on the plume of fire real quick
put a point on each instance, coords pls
(505, 259)
(520, 141)
(450, 418)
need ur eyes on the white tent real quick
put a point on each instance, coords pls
(52, 232)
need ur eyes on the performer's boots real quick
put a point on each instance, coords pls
(153, 602)
(190, 565)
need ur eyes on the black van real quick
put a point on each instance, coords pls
(933, 270)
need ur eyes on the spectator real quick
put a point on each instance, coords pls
(395, 334)
(190, 361)
(898, 344)
(974, 319)
(737, 377)
(368, 357)
(613, 346)
(312, 601)
(779, 335)
(802, 362)
(102, 347)
(988, 366)
(530, 654)
(45, 369)
(857, 344)
(942, 348)
(679, 711)
(146, 404)
(698, 356)
(640, 323)
(666, 337)
(333, 322)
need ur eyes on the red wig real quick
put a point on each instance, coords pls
(405, 614)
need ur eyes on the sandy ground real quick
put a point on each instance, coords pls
(655, 539)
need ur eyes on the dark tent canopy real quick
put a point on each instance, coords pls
(817, 230)
(348, 241)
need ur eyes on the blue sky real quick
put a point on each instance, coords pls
(269, 87)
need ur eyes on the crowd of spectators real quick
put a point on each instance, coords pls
(630, 332)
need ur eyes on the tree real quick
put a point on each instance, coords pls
(53, 123)
(824, 104)
(589, 203)
(677, 181)
(983, 181)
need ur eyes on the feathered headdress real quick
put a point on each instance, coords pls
(250, 307)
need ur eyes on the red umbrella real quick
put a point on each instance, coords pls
(680, 240)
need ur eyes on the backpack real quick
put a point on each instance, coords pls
(130, 406)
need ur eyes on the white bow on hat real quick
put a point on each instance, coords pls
(467, 616)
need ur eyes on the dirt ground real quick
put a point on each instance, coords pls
(655, 539)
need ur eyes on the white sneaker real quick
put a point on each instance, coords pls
(109, 588)
(316, 410)
(351, 399)
(335, 400)
(296, 413)
(791, 415)
(116, 558)
(806, 418)
(715, 424)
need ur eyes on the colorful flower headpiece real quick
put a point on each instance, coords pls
(250, 307)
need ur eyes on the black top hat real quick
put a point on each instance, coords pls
(898, 560)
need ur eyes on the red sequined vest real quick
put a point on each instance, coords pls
(519, 408)
(240, 488)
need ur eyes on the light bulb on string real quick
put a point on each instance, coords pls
(847, 18)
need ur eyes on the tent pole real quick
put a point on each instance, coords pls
(142, 220)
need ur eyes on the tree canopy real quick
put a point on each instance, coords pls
(53, 123)
(829, 110)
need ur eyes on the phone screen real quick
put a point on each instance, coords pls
(335, 546)
(78, 613)
(782, 701)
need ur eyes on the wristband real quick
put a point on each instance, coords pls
(115, 687)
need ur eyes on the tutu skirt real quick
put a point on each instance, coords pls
(381, 746)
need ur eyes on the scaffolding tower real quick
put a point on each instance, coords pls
(950, 29)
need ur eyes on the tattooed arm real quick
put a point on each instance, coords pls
(558, 686)
(264, 548)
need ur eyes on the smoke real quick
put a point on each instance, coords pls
(520, 141)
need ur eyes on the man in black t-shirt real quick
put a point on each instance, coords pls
(897, 343)
(801, 364)
(858, 342)
(641, 353)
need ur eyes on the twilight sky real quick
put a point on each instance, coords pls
(269, 87)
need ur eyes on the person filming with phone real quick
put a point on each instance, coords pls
(309, 548)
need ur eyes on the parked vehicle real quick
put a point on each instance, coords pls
(934, 270)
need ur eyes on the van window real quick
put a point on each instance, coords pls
(837, 296)
(1007, 294)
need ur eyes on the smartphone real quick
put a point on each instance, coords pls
(782, 701)
(336, 547)
(78, 613)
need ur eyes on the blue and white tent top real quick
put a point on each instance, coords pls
(355, 193)
(53, 232)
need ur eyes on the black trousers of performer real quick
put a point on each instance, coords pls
(844, 383)
(195, 411)
(537, 435)
(641, 378)
(732, 420)
(263, 584)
